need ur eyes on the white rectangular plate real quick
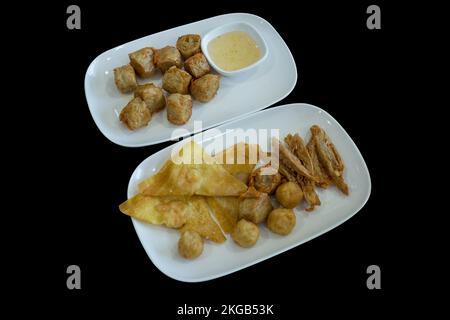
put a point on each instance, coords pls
(270, 82)
(218, 260)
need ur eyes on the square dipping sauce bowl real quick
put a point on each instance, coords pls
(235, 26)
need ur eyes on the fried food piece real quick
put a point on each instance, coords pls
(245, 233)
(125, 78)
(176, 80)
(203, 177)
(281, 221)
(329, 157)
(169, 211)
(152, 95)
(239, 159)
(189, 44)
(142, 62)
(179, 108)
(323, 179)
(297, 147)
(265, 183)
(226, 210)
(190, 245)
(290, 161)
(200, 221)
(197, 65)
(289, 194)
(255, 209)
(135, 114)
(205, 88)
(167, 57)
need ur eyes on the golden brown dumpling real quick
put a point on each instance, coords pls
(245, 233)
(176, 80)
(289, 194)
(189, 44)
(190, 245)
(281, 221)
(125, 78)
(205, 88)
(167, 57)
(135, 114)
(152, 95)
(142, 62)
(197, 65)
(179, 108)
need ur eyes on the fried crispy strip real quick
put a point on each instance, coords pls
(319, 171)
(286, 173)
(297, 146)
(289, 160)
(329, 157)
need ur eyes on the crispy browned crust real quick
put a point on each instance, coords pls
(323, 179)
(297, 147)
(289, 160)
(329, 157)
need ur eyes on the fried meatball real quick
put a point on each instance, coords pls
(142, 62)
(179, 108)
(125, 78)
(189, 44)
(167, 57)
(152, 95)
(265, 183)
(281, 221)
(190, 245)
(176, 80)
(255, 209)
(205, 88)
(245, 233)
(289, 194)
(135, 114)
(197, 65)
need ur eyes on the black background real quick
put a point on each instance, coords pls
(353, 73)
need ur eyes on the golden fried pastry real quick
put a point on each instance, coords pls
(152, 95)
(205, 88)
(169, 211)
(179, 108)
(182, 176)
(281, 221)
(239, 159)
(255, 209)
(167, 57)
(329, 157)
(197, 65)
(226, 210)
(200, 221)
(135, 114)
(245, 233)
(266, 183)
(289, 194)
(142, 62)
(297, 147)
(125, 78)
(190, 245)
(176, 80)
(188, 45)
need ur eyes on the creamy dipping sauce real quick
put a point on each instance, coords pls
(234, 50)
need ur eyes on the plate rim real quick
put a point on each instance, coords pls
(276, 252)
(193, 132)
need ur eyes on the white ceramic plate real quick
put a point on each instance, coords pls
(238, 96)
(218, 260)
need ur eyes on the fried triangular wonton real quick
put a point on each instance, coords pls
(226, 210)
(191, 171)
(187, 213)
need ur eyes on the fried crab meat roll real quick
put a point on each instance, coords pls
(179, 108)
(205, 88)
